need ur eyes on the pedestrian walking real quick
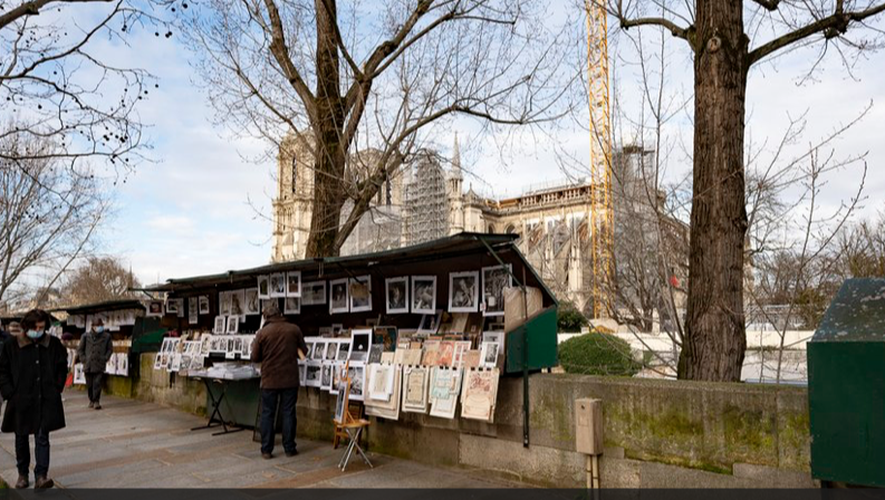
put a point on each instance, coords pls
(33, 369)
(94, 351)
(278, 346)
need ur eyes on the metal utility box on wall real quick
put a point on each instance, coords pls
(846, 387)
(588, 426)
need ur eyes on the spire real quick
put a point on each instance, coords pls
(456, 158)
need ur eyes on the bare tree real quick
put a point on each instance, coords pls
(50, 215)
(357, 77)
(724, 53)
(58, 87)
(99, 279)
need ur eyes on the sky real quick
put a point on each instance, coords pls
(202, 205)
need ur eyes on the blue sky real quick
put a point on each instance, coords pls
(188, 213)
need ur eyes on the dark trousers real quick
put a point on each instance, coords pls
(23, 453)
(287, 399)
(93, 386)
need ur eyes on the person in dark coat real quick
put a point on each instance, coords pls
(278, 347)
(33, 370)
(94, 351)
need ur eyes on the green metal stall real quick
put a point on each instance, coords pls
(846, 387)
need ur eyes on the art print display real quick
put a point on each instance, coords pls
(338, 374)
(472, 358)
(238, 303)
(248, 340)
(277, 285)
(173, 306)
(388, 408)
(292, 305)
(293, 284)
(385, 336)
(445, 387)
(464, 292)
(263, 287)
(361, 342)
(319, 350)
(344, 350)
(224, 299)
(343, 389)
(206, 340)
(423, 294)
(233, 325)
(313, 375)
(356, 372)
(430, 323)
(380, 382)
(339, 301)
(361, 294)
(415, 384)
(446, 353)
(154, 309)
(375, 353)
(193, 310)
(479, 394)
(251, 305)
(411, 357)
(313, 293)
(326, 377)
(431, 353)
(387, 358)
(461, 348)
(331, 351)
(495, 280)
(397, 293)
(497, 337)
(489, 354)
(204, 304)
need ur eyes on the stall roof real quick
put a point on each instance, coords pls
(108, 305)
(459, 244)
(856, 314)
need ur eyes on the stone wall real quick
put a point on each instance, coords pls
(658, 434)
(161, 387)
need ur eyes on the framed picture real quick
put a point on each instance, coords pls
(344, 348)
(385, 336)
(489, 354)
(263, 287)
(356, 372)
(319, 350)
(375, 354)
(154, 309)
(343, 389)
(326, 377)
(251, 305)
(313, 293)
(233, 324)
(237, 302)
(361, 294)
(339, 301)
(494, 280)
(293, 284)
(224, 299)
(361, 343)
(496, 338)
(204, 304)
(277, 285)
(464, 292)
(171, 307)
(416, 380)
(430, 323)
(423, 294)
(193, 309)
(292, 305)
(397, 293)
(312, 375)
(302, 378)
(332, 351)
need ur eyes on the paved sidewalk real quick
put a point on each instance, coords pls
(131, 444)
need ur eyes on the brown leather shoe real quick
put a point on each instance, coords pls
(266, 456)
(22, 483)
(97, 406)
(43, 482)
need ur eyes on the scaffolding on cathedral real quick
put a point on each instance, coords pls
(426, 210)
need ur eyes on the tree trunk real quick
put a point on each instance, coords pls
(328, 127)
(715, 338)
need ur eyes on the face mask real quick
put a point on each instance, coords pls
(34, 334)
(99, 329)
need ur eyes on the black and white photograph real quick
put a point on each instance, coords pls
(233, 325)
(464, 292)
(313, 375)
(357, 375)
(375, 353)
(220, 325)
(326, 377)
(292, 305)
(332, 351)
(423, 294)
(193, 310)
(344, 350)
(489, 354)
(494, 280)
(495, 337)
(361, 342)
(263, 287)
(251, 305)
(430, 323)
(293, 284)
(361, 294)
(397, 293)
(319, 350)
(155, 308)
(339, 301)
(224, 299)
(313, 293)
(277, 285)
(237, 302)
(204, 304)
(172, 306)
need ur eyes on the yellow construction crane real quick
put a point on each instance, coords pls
(602, 234)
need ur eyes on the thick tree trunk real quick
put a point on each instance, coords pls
(328, 127)
(715, 338)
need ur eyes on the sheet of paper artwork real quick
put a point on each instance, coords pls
(416, 380)
(388, 409)
(445, 387)
(479, 394)
(380, 382)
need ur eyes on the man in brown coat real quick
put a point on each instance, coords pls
(276, 347)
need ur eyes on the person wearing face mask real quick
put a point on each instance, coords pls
(33, 370)
(94, 351)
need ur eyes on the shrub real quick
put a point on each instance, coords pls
(598, 354)
(569, 319)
